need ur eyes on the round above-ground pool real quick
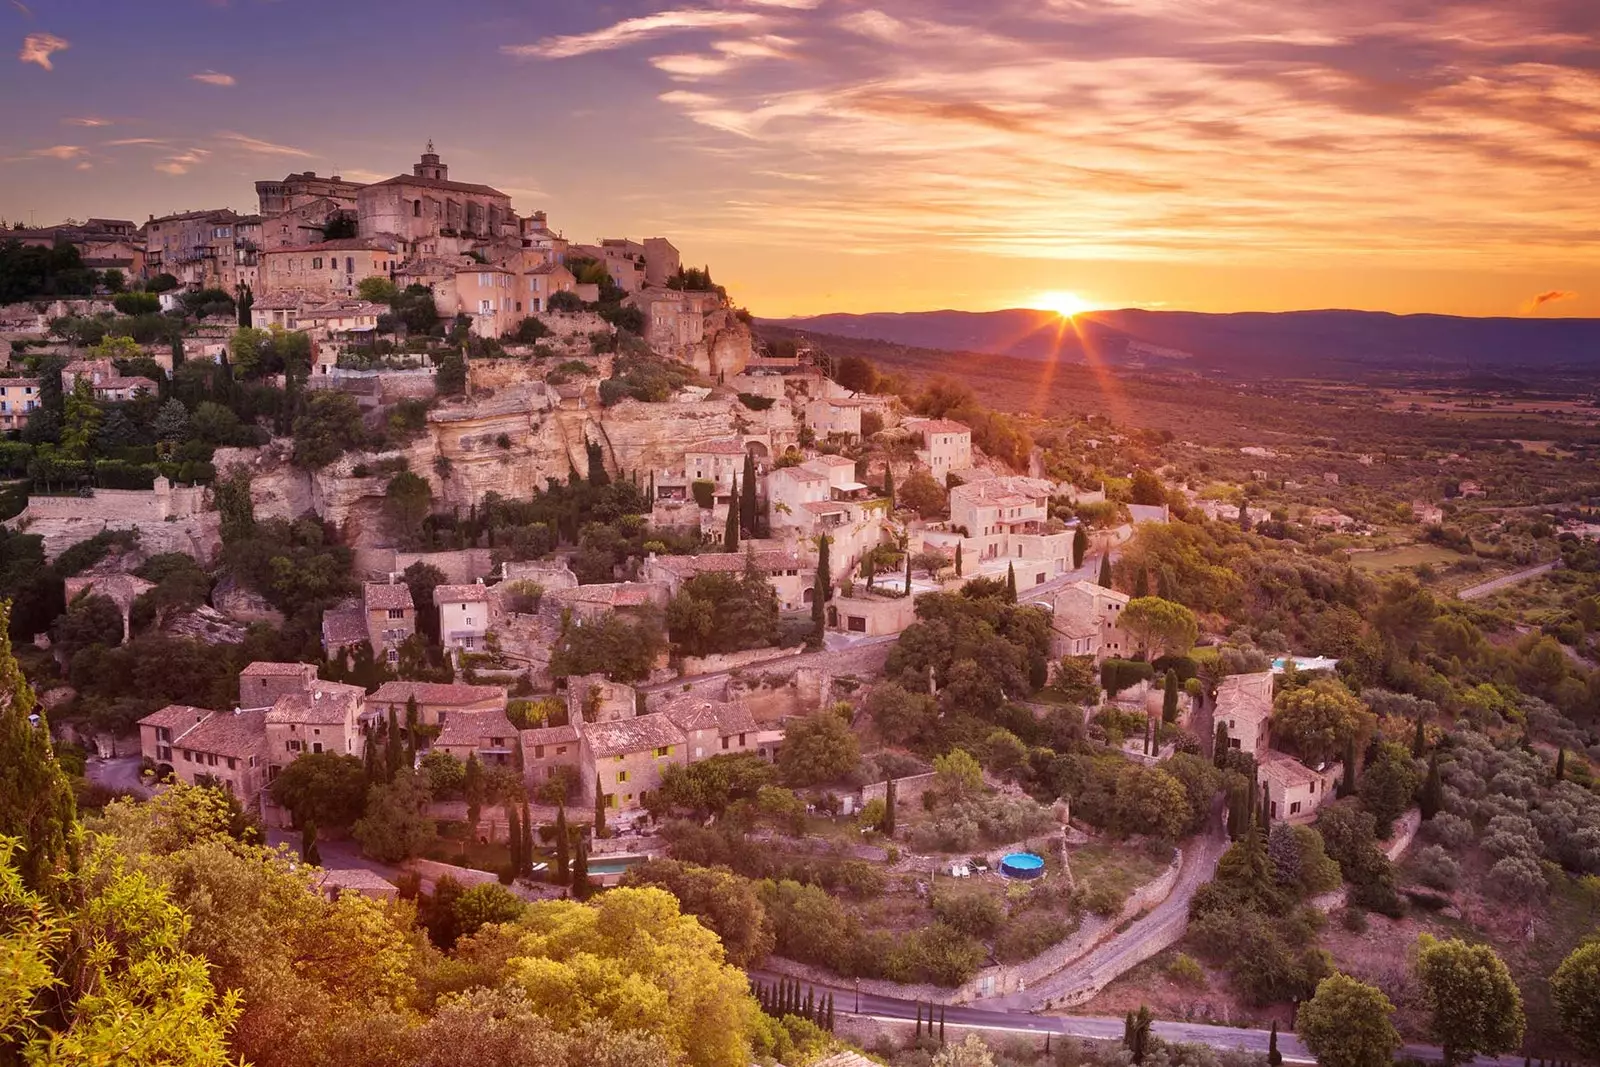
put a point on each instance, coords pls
(1022, 865)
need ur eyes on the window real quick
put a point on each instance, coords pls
(726, 741)
(622, 776)
(164, 753)
(741, 740)
(349, 265)
(538, 752)
(664, 750)
(211, 759)
(316, 264)
(393, 656)
(611, 800)
(1294, 809)
(316, 746)
(469, 620)
(561, 750)
(466, 642)
(232, 763)
(163, 734)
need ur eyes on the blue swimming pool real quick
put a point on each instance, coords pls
(613, 864)
(1022, 865)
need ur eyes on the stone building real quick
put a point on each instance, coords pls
(437, 702)
(427, 203)
(1294, 791)
(464, 612)
(19, 399)
(488, 735)
(1244, 709)
(262, 682)
(195, 743)
(946, 446)
(1085, 621)
(298, 190)
(329, 268)
(391, 616)
(625, 759)
(199, 248)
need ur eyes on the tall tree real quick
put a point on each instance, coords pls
(36, 800)
(749, 506)
(821, 590)
(908, 572)
(473, 792)
(1011, 583)
(527, 841)
(1080, 546)
(392, 751)
(887, 826)
(514, 838)
(1561, 764)
(1347, 1024)
(1141, 583)
(1430, 798)
(730, 533)
(308, 844)
(1419, 740)
(580, 871)
(888, 486)
(1475, 1007)
(1169, 697)
(958, 559)
(1575, 989)
(599, 808)
(563, 873)
(1105, 571)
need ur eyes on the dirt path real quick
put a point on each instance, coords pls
(1494, 585)
(1158, 929)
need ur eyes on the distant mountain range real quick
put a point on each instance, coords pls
(1337, 343)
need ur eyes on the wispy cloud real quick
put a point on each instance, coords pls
(59, 151)
(258, 147)
(214, 77)
(183, 162)
(635, 30)
(129, 142)
(87, 121)
(23, 9)
(39, 47)
(1550, 297)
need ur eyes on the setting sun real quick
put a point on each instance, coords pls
(1063, 303)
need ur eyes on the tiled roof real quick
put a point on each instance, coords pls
(825, 507)
(385, 595)
(342, 627)
(473, 729)
(356, 879)
(267, 669)
(345, 310)
(715, 448)
(446, 693)
(1012, 490)
(549, 735)
(229, 733)
(460, 594)
(442, 184)
(325, 702)
(937, 426)
(826, 462)
(547, 268)
(800, 474)
(1284, 770)
(612, 594)
(768, 560)
(625, 736)
(176, 717)
(1245, 696)
(692, 713)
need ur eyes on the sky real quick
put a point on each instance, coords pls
(881, 155)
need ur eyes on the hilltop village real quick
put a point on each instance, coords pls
(387, 545)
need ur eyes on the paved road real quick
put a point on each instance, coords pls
(120, 774)
(336, 854)
(1494, 585)
(1097, 1027)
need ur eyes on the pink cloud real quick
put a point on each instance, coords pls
(214, 77)
(39, 47)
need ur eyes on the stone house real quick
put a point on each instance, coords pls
(1427, 514)
(427, 203)
(1005, 520)
(625, 758)
(487, 734)
(546, 750)
(721, 728)
(837, 417)
(199, 248)
(261, 683)
(329, 268)
(791, 573)
(1293, 790)
(391, 617)
(1244, 709)
(196, 743)
(946, 446)
(109, 384)
(589, 602)
(464, 612)
(322, 717)
(298, 190)
(437, 702)
(872, 616)
(19, 398)
(1085, 621)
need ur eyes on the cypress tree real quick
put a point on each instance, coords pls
(919, 1021)
(1169, 697)
(527, 841)
(1419, 740)
(519, 759)
(888, 809)
(748, 505)
(1011, 583)
(514, 838)
(958, 559)
(580, 871)
(810, 1009)
(1561, 764)
(829, 1024)
(1274, 1057)
(413, 719)
(599, 809)
(563, 873)
(1347, 785)
(369, 757)
(1127, 1030)
(1141, 582)
(309, 852)
(941, 1023)
(391, 752)
(1220, 744)
(472, 791)
(908, 572)
(1105, 571)
(1080, 546)
(1431, 797)
(820, 588)
(888, 485)
(730, 533)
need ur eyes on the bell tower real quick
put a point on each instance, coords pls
(430, 167)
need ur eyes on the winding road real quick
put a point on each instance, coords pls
(1494, 585)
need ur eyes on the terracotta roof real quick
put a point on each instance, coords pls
(447, 693)
(267, 669)
(800, 474)
(324, 702)
(342, 627)
(442, 184)
(357, 879)
(937, 426)
(826, 461)
(473, 729)
(341, 310)
(639, 734)
(1284, 770)
(385, 595)
(691, 713)
(1245, 696)
(549, 735)
(1009, 490)
(715, 448)
(229, 733)
(176, 717)
(547, 268)
(460, 594)
(825, 507)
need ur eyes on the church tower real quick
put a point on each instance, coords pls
(430, 167)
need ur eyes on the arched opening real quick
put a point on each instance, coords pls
(758, 451)
(833, 617)
(808, 595)
(416, 209)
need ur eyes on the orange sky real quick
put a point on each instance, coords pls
(879, 155)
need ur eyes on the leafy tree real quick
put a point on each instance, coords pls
(171, 421)
(709, 786)
(1080, 546)
(923, 495)
(309, 853)
(450, 377)
(406, 503)
(1388, 785)
(957, 774)
(330, 426)
(1475, 1007)
(1347, 1024)
(37, 809)
(1157, 623)
(1169, 697)
(396, 826)
(725, 903)
(482, 904)
(899, 714)
(856, 374)
(718, 612)
(325, 788)
(91, 619)
(1319, 720)
(1147, 489)
(624, 651)
(817, 749)
(1575, 989)
(377, 290)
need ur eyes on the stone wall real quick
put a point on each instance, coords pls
(907, 790)
(160, 504)
(460, 567)
(730, 661)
